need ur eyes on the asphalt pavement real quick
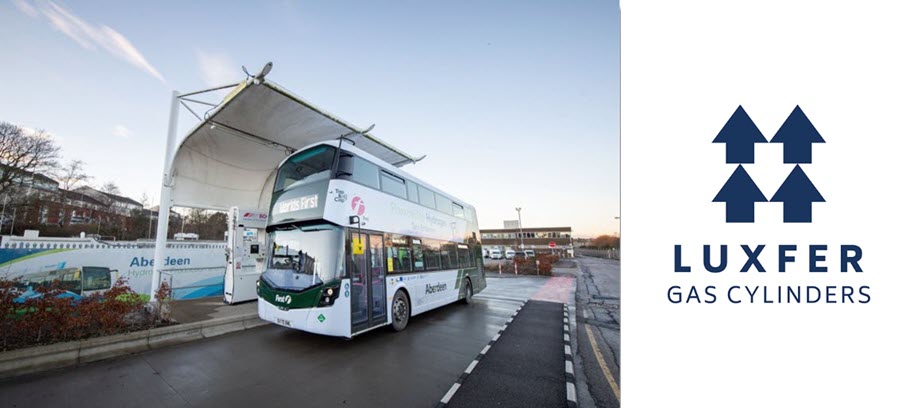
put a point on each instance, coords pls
(524, 367)
(598, 315)
(275, 366)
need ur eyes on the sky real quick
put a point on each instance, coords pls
(514, 104)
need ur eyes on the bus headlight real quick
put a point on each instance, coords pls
(328, 296)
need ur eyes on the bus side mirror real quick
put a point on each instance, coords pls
(345, 165)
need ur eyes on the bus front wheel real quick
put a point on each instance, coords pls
(400, 311)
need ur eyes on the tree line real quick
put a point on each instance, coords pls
(26, 155)
(604, 242)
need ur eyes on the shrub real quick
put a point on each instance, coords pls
(493, 267)
(56, 316)
(546, 263)
(529, 266)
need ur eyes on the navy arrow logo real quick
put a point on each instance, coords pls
(740, 135)
(797, 195)
(797, 135)
(740, 194)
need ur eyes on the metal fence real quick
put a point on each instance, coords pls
(612, 253)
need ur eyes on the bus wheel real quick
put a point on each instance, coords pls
(468, 291)
(400, 311)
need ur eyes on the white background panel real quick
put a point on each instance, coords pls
(686, 66)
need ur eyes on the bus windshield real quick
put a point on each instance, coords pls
(305, 167)
(305, 256)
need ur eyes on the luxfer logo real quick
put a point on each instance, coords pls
(797, 193)
(358, 205)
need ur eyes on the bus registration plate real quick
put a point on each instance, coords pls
(284, 322)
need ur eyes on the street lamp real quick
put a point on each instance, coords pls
(520, 230)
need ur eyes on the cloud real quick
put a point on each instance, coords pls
(121, 131)
(88, 35)
(217, 69)
(26, 8)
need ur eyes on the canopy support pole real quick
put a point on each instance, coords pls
(165, 200)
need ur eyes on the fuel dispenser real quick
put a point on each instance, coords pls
(246, 254)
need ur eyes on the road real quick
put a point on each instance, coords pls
(274, 366)
(598, 314)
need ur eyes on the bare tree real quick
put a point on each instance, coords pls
(111, 188)
(73, 174)
(24, 153)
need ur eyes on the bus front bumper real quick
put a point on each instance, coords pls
(331, 321)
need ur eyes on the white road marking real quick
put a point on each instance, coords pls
(503, 298)
(471, 366)
(450, 393)
(570, 392)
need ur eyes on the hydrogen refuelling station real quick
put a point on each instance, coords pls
(228, 162)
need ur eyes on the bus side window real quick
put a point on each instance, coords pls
(392, 184)
(418, 264)
(443, 204)
(449, 255)
(431, 255)
(463, 256)
(458, 210)
(426, 197)
(365, 173)
(412, 191)
(398, 251)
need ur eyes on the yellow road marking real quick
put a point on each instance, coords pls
(603, 364)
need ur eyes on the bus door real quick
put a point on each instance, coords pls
(366, 269)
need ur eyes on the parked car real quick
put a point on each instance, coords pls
(509, 254)
(495, 254)
(485, 253)
(529, 253)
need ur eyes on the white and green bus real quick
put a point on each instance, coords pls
(354, 244)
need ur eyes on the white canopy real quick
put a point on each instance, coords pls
(230, 157)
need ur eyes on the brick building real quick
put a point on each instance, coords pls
(36, 199)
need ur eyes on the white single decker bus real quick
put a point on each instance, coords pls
(354, 244)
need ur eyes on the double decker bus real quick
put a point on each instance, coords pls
(354, 244)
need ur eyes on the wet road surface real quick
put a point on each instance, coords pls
(598, 302)
(274, 366)
(524, 367)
